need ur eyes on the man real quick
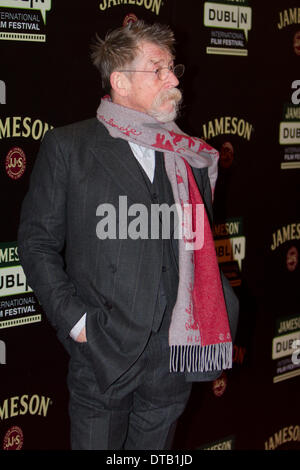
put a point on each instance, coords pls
(128, 302)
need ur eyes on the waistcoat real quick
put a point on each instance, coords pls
(161, 193)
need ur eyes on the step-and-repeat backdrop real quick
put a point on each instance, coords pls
(242, 95)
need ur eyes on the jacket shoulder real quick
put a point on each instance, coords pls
(74, 138)
(77, 130)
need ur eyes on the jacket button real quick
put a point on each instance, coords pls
(164, 268)
(108, 305)
(113, 268)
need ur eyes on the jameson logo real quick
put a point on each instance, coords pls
(8, 254)
(285, 234)
(224, 444)
(288, 17)
(230, 23)
(227, 125)
(37, 405)
(151, 5)
(23, 20)
(288, 324)
(285, 435)
(26, 127)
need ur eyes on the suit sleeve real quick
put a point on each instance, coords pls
(41, 237)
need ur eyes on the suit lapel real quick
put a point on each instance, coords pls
(116, 157)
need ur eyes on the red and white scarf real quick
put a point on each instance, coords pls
(199, 334)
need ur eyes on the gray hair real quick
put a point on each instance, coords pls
(119, 48)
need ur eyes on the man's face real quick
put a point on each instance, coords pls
(147, 93)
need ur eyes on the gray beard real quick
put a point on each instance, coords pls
(175, 95)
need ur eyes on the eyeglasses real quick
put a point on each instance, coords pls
(163, 72)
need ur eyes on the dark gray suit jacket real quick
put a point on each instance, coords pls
(72, 271)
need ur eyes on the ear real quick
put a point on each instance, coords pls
(120, 83)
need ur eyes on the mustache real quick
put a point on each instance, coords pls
(170, 94)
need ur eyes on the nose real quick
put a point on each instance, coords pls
(172, 80)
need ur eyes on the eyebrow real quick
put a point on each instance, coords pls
(160, 62)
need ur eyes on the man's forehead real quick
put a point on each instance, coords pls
(151, 52)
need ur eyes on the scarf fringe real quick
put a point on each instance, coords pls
(195, 358)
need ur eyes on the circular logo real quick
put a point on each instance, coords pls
(219, 385)
(292, 258)
(15, 163)
(13, 439)
(296, 43)
(130, 18)
(226, 155)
